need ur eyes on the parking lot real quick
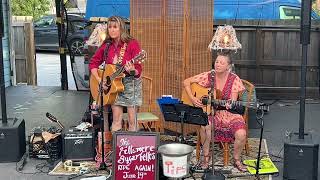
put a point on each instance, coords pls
(48, 71)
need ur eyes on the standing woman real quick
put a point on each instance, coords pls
(122, 48)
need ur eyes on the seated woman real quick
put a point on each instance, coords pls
(229, 124)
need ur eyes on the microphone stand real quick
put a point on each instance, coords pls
(212, 175)
(260, 142)
(103, 164)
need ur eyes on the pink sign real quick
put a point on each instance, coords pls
(135, 155)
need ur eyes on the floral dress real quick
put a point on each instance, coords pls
(226, 123)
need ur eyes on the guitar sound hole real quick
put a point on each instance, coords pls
(107, 90)
(108, 82)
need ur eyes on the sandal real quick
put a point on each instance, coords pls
(98, 159)
(205, 162)
(238, 164)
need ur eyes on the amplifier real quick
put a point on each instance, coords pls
(12, 140)
(78, 145)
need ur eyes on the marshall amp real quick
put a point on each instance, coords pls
(78, 145)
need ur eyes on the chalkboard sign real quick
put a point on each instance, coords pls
(135, 155)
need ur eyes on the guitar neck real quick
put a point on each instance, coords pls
(120, 70)
(237, 103)
(60, 124)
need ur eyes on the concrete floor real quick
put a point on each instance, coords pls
(31, 104)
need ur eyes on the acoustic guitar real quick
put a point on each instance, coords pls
(113, 76)
(199, 92)
(203, 94)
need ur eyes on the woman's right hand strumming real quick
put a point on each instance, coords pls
(94, 72)
(196, 101)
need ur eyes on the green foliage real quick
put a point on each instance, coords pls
(34, 8)
(314, 7)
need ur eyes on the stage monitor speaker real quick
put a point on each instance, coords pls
(300, 159)
(12, 140)
(78, 145)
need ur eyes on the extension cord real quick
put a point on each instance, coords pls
(23, 162)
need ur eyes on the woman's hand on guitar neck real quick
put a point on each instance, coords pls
(129, 67)
(229, 104)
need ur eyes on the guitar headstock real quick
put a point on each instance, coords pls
(54, 119)
(51, 117)
(139, 58)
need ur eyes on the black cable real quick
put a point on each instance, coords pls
(71, 54)
(21, 172)
(85, 173)
(43, 165)
(269, 104)
(236, 16)
(39, 167)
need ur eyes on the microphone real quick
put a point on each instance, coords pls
(132, 72)
(205, 100)
(108, 42)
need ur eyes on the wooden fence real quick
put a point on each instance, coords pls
(24, 50)
(271, 57)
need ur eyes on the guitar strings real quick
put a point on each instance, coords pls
(121, 69)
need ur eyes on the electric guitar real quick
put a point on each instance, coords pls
(113, 77)
(54, 119)
(203, 94)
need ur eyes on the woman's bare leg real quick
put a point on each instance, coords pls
(205, 133)
(117, 112)
(131, 118)
(240, 141)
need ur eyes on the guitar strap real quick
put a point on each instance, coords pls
(122, 51)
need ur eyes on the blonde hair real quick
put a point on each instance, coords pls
(226, 54)
(124, 35)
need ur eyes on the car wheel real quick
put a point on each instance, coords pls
(76, 46)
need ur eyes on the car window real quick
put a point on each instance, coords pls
(78, 25)
(45, 22)
(287, 12)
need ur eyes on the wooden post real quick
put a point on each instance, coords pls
(186, 37)
(163, 50)
(31, 68)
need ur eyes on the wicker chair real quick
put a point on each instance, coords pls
(145, 117)
(245, 96)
